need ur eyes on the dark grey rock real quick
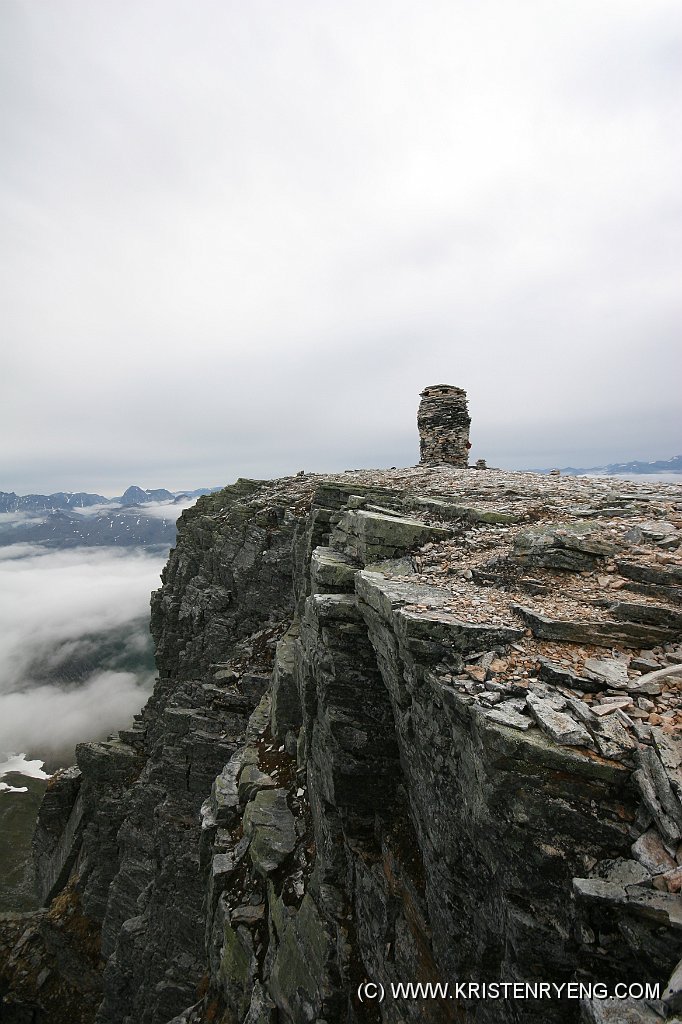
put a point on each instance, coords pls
(672, 996)
(573, 548)
(644, 665)
(262, 1010)
(658, 795)
(601, 633)
(285, 714)
(560, 675)
(57, 836)
(269, 824)
(651, 614)
(254, 686)
(251, 781)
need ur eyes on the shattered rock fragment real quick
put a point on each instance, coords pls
(269, 824)
(561, 727)
(650, 851)
(612, 671)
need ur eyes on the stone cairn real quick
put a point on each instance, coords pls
(443, 421)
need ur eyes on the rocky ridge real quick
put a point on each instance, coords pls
(410, 725)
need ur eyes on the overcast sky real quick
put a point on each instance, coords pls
(239, 238)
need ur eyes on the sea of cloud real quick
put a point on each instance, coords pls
(74, 644)
(155, 509)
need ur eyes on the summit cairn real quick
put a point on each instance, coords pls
(443, 421)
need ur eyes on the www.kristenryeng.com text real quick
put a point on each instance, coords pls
(370, 991)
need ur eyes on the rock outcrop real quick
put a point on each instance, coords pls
(410, 726)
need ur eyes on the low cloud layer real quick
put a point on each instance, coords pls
(74, 643)
(239, 242)
(50, 720)
(163, 510)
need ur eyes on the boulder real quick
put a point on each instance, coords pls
(574, 548)
(269, 824)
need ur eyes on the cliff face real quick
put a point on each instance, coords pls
(410, 726)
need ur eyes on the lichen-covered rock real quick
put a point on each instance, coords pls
(269, 825)
(285, 713)
(573, 548)
(300, 981)
(251, 781)
(372, 536)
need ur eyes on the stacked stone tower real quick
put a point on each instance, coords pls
(443, 421)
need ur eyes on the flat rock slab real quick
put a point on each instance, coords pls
(561, 727)
(670, 575)
(433, 622)
(612, 671)
(661, 908)
(269, 824)
(561, 675)
(608, 707)
(108, 761)
(651, 614)
(611, 738)
(454, 512)
(601, 634)
(369, 536)
(574, 548)
(651, 682)
(655, 530)
(509, 716)
(623, 871)
(644, 688)
(644, 665)
(331, 572)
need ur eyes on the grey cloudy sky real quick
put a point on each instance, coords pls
(239, 238)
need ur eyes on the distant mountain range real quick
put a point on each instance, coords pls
(11, 502)
(66, 519)
(673, 465)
